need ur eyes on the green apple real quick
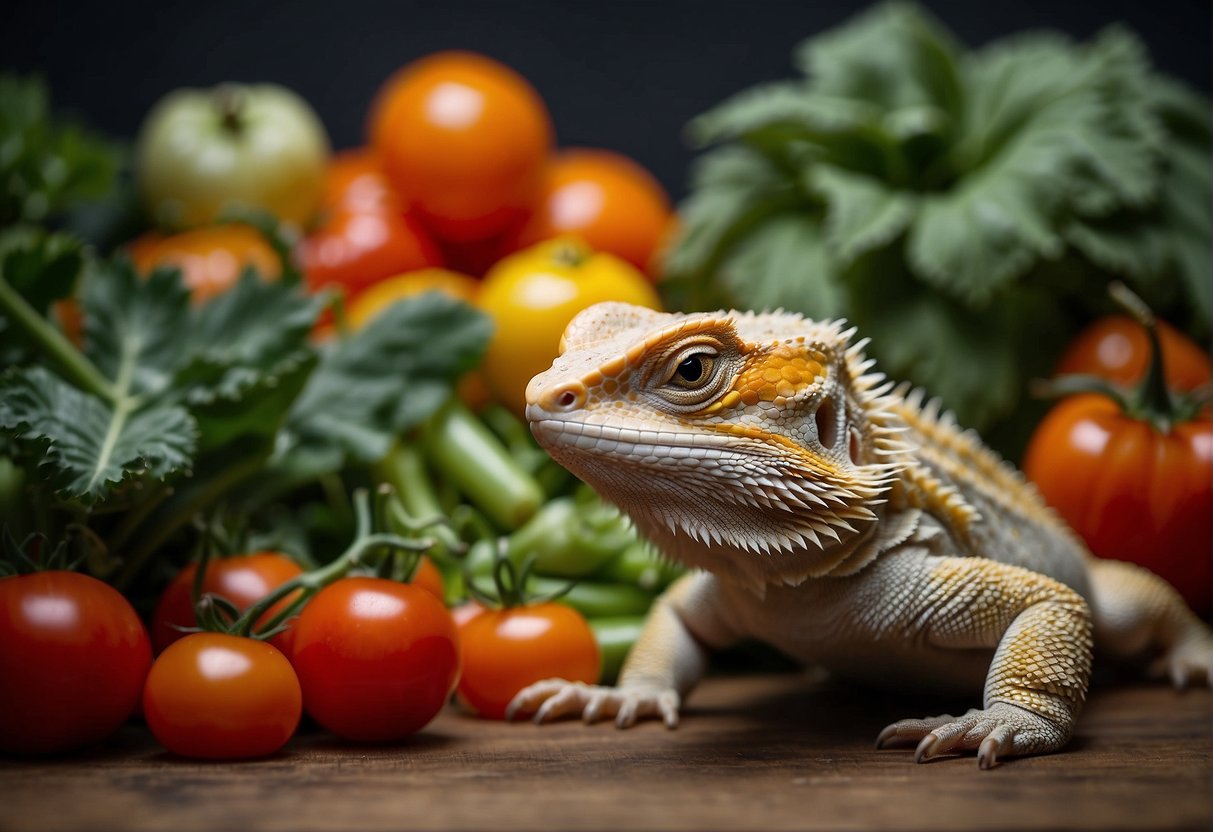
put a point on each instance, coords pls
(204, 153)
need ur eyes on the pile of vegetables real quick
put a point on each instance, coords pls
(260, 445)
(185, 417)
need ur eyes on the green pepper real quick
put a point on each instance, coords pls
(571, 539)
(642, 565)
(615, 636)
(592, 598)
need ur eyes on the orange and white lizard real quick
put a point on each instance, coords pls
(842, 520)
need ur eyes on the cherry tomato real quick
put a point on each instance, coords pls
(366, 235)
(605, 198)
(377, 659)
(1117, 348)
(465, 612)
(73, 659)
(533, 294)
(368, 303)
(1131, 491)
(429, 578)
(210, 259)
(506, 650)
(214, 696)
(463, 139)
(243, 580)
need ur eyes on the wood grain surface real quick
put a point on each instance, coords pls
(770, 752)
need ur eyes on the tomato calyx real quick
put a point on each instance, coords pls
(16, 557)
(1150, 400)
(510, 579)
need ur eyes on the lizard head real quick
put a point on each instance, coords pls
(753, 445)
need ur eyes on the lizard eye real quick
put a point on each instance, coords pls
(692, 370)
(693, 375)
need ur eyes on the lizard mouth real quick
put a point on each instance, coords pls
(569, 435)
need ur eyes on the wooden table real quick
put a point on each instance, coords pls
(776, 751)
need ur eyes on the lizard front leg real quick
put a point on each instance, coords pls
(667, 661)
(1038, 678)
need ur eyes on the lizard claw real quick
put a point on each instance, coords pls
(1000, 730)
(1188, 663)
(553, 699)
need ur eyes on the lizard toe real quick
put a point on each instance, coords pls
(999, 731)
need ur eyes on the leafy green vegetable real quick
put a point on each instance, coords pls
(170, 406)
(947, 201)
(46, 166)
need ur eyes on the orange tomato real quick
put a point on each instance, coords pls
(463, 139)
(211, 259)
(429, 578)
(505, 650)
(367, 304)
(605, 198)
(366, 236)
(1118, 349)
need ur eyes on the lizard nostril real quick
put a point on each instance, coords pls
(564, 398)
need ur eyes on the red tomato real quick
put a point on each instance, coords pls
(214, 696)
(1118, 349)
(367, 236)
(377, 659)
(506, 650)
(243, 580)
(73, 658)
(1131, 491)
(605, 198)
(463, 139)
(465, 612)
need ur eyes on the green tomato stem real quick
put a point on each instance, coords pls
(55, 344)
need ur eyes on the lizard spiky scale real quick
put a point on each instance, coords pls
(847, 521)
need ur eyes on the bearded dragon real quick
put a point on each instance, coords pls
(844, 520)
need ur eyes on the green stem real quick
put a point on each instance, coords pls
(309, 583)
(1151, 399)
(55, 344)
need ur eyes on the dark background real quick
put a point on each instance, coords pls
(623, 75)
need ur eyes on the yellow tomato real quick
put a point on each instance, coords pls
(533, 294)
(379, 296)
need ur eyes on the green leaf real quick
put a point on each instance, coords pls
(791, 103)
(966, 358)
(42, 268)
(735, 188)
(861, 213)
(88, 444)
(135, 329)
(785, 263)
(45, 167)
(894, 56)
(252, 327)
(381, 381)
